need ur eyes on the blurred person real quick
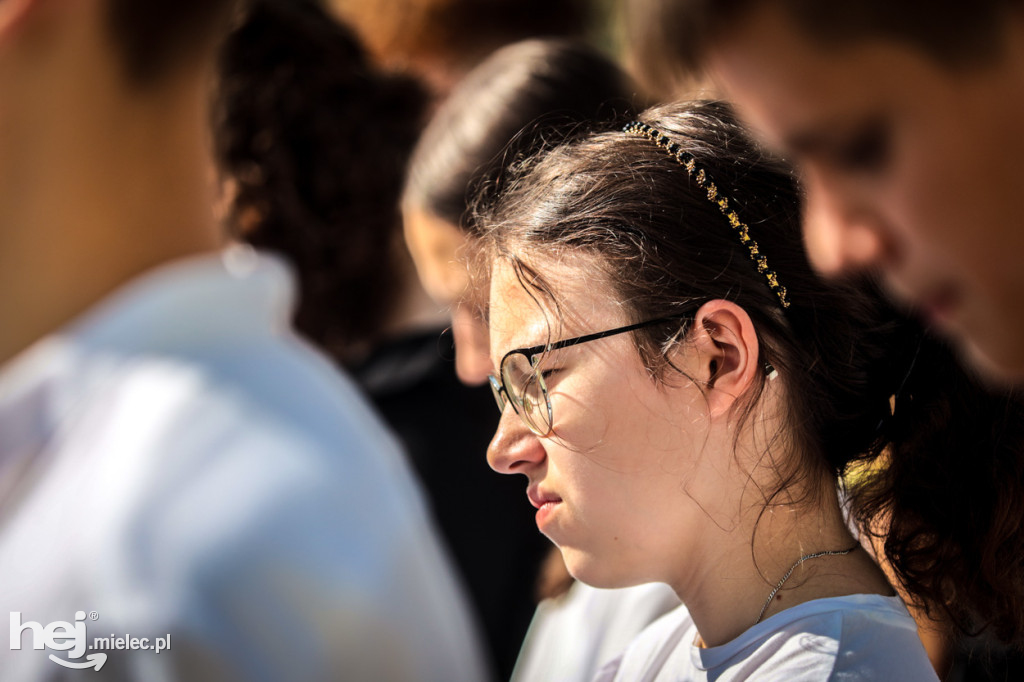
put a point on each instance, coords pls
(705, 447)
(442, 40)
(905, 122)
(313, 140)
(187, 490)
(311, 143)
(525, 98)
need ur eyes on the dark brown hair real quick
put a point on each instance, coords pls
(316, 140)
(946, 489)
(668, 37)
(524, 97)
(153, 36)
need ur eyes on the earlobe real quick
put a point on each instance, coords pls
(727, 352)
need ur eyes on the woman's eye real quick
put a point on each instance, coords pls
(866, 151)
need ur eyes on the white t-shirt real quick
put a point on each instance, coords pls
(854, 638)
(571, 637)
(178, 467)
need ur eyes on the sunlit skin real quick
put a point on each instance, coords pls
(910, 167)
(645, 480)
(437, 248)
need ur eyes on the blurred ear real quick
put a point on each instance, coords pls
(727, 354)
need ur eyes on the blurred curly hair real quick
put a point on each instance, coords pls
(315, 141)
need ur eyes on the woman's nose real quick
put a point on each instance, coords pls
(514, 449)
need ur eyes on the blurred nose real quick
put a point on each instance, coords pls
(472, 343)
(514, 449)
(841, 235)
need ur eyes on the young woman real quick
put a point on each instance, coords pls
(519, 101)
(684, 394)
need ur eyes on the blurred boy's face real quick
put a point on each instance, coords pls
(436, 247)
(911, 168)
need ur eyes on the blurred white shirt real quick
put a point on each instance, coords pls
(571, 637)
(178, 464)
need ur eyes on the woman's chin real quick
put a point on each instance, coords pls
(602, 572)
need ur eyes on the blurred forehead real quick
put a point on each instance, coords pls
(790, 87)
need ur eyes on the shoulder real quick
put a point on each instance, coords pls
(217, 455)
(271, 506)
(878, 640)
(251, 440)
(857, 637)
(861, 637)
(272, 402)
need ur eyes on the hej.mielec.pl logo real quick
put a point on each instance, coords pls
(73, 639)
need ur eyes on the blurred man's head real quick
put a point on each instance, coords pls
(905, 122)
(103, 148)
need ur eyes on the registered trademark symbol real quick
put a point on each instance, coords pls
(93, 615)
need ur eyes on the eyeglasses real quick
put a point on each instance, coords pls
(522, 377)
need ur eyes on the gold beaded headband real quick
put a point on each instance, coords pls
(687, 160)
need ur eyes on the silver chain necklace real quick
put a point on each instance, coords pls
(805, 557)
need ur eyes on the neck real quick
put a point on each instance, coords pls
(726, 594)
(97, 185)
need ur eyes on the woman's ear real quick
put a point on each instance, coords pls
(727, 353)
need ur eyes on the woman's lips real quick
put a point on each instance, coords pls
(546, 504)
(545, 512)
(538, 497)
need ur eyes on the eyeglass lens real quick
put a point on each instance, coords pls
(527, 392)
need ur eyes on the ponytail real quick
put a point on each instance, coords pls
(946, 501)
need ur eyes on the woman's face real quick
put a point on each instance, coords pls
(627, 481)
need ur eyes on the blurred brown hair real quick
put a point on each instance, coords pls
(668, 38)
(316, 139)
